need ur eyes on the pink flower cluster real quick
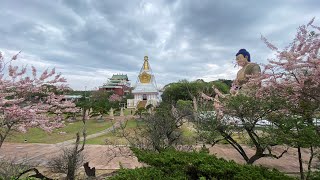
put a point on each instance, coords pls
(114, 97)
(20, 108)
(295, 73)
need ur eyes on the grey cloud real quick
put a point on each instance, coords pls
(181, 37)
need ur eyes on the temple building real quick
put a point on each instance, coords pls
(118, 83)
(145, 90)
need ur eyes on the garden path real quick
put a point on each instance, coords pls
(117, 119)
(111, 157)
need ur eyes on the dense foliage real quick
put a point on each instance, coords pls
(162, 127)
(185, 90)
(173, 164)
(241, 123)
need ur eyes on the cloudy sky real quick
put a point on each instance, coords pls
(89, 40)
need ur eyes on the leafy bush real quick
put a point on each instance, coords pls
(10, 168)
(171, 164)
(140, 173)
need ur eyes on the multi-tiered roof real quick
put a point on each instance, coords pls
(116, 81)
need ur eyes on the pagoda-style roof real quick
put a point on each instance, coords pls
(119, 77)
(117, 81)
(114, 80)
(108, 86)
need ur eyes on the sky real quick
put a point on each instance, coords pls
(89, 40)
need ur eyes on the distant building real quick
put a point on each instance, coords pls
(118, 83)
(145, 91)
(74, 98)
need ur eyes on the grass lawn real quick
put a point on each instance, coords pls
(126, 112)
(37, 135)
(112, 137)
(188, 135)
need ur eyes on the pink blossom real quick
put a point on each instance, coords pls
(287, 75)
(114, 97)
(24, 112)
(310, 22)
(34, 71)
(15, 56)
(271, 46)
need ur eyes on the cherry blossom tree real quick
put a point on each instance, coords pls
(290, 87)
(24, 100)
(293, 77)
(114, 98)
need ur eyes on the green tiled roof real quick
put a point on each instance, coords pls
(114, 81)
(119, 76)
(106, 86)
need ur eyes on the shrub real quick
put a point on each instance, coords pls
(140, 173)
(171, 164)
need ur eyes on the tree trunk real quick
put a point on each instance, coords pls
(310, 161)
(84, 114)
(300, 163)
(91, 172)
(1, 142)
(254, 158)
(3, 136)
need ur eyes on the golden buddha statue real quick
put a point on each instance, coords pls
(247, 70)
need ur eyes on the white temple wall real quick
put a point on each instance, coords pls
(151, 98)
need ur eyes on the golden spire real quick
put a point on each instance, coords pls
(146, 63)
(144, 76)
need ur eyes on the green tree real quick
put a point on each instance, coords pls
(85, 104)
(161, 129)
(185, 90)
(101, 104)
(239, 125)
(293, 76)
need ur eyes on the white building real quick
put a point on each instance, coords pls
(145, 91)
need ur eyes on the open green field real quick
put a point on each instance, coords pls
(188, 135)
(113, 137)
(37, 135)
(125, 112)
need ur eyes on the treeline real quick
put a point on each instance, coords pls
(187, 90)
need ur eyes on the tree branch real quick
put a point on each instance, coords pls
(275, 156)
(235, 145)
(37, 175)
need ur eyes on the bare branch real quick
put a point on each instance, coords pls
(37, 175)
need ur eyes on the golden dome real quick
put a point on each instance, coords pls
(145, 77)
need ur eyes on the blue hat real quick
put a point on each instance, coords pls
(245, 53)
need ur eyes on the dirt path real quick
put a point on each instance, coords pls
(110, 157)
